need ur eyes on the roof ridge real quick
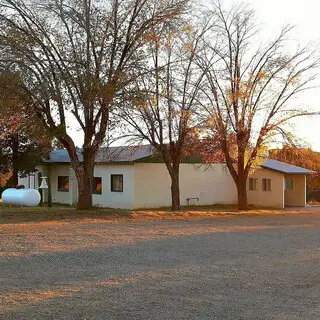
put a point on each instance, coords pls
(128, 153)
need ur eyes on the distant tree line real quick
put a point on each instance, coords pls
(302, 157)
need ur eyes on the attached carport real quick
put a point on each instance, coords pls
(294, 182)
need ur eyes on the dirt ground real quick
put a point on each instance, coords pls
(227, 267)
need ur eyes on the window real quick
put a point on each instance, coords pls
(266, 184)
(97, 185)
(63, 183)
(290, 184)
(117, 182)
(253, 184)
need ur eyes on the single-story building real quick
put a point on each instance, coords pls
(130, 178)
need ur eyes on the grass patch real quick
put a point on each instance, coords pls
(62, 212)
(15, 214)
(198, 208)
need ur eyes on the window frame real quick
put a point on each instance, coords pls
(63, 189)
(254, 185)
(112, 183)
(266, 184)
(293, 184)
(95, 191)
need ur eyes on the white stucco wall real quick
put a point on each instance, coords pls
(27, 182)
(210, 184)
(56, 170)
(147, 185)
(273, 198)
(73, 196)
(297, 196)
(32, 180)
(108, 198)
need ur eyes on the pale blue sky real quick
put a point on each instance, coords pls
(272, 15)
(304, 15)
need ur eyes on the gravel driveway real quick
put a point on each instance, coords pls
(261, 267)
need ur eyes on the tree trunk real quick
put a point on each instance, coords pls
(83, 169)
(84, 173)
(175, 189)
(242, 177)
(173, 167)
(242, 192)
(14, 178)
(15, 157)
(85, 182)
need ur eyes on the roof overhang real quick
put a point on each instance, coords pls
(285, 168)
(289, 173)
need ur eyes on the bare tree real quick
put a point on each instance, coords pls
(250, 88)
(76, 58)
(163, 111)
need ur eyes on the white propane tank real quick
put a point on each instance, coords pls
(21, 197)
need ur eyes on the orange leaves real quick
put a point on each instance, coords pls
(244, 94)
(295, 80)
(152, 38)
(141, 103)
(244, 89)
(262, 154)
(154, 101)
(4, 177)
(261, 75)
(208, 148)
(303, 157)
(9, 125)
(188, 47)
(187, 28)
(144, 102)
(211, 122)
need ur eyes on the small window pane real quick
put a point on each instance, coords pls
(117, 182)
(266, 184)
(97, 185)
(253, 184)
(250, 184)
(290, 184)
(63, 183)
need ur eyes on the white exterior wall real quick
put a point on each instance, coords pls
(147, 185)
(32, 180)
(73, 195)
(210, 184)
(27, 182)
(56, 170)
(273, 198)
(122, 200)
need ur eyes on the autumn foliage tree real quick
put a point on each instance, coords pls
(75, 59)
(20, 149)
(250, 89)
(163, 107)
(302, 157)
(22, 140)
